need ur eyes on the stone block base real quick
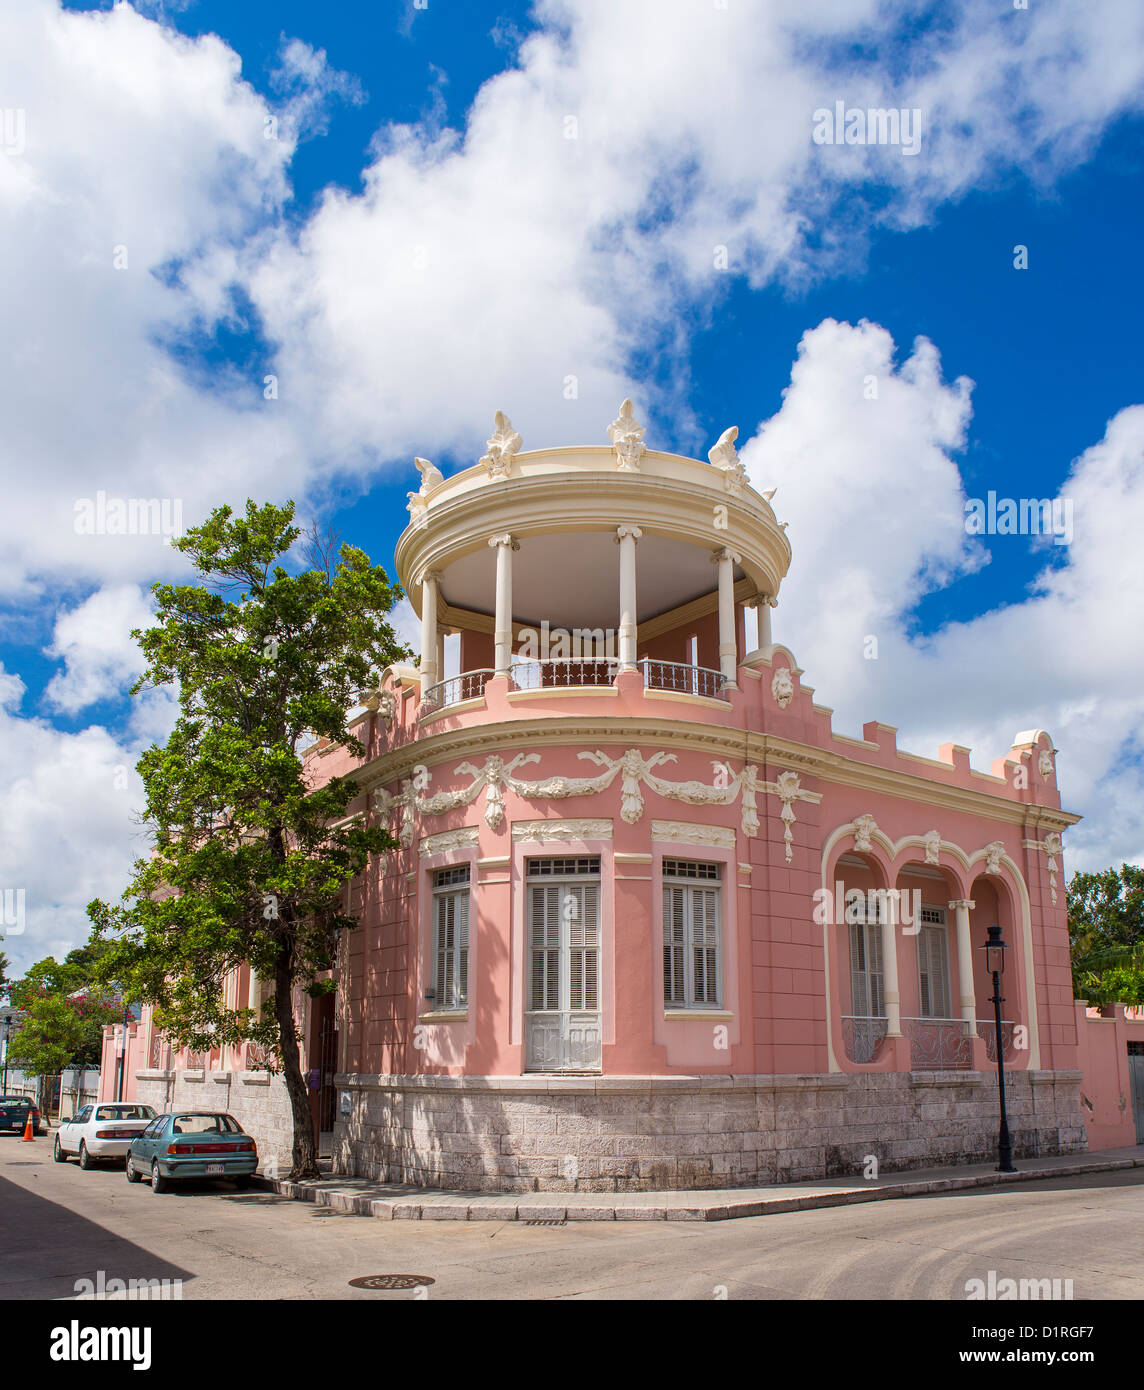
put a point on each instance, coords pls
(257, 1100)
(631, 1134)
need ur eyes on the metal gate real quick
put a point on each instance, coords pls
(1136, 1075)
(327, 1064)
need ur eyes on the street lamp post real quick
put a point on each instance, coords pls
(994, 950)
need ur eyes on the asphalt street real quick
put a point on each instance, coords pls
(59, 1226)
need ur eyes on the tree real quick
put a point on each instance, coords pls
(59, 1031)
(250, 864)
(64, 1012)
(1106, 935)
(5, 983)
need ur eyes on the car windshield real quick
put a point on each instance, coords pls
(125, 1112)
(14, 1100)
(205, 1124)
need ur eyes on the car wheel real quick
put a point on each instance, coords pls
(133, 1174)
(158, 1181)
(242, 1182)
(86, 1162)
(58, 1151)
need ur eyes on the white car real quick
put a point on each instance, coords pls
(101, 1131)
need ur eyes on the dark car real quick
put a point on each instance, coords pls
(14, 1115)
(191, 1144)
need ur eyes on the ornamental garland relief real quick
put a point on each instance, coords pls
(1052, 843)
(631, 769)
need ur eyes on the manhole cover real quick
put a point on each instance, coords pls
(391, 1281)
(543, 1221)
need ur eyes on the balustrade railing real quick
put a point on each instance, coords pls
(576, 671)
(564, 671)
(679, 676)
(938, 1044)
(863, 1037)
(469, 685)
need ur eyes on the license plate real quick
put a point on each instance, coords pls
(215, 1170)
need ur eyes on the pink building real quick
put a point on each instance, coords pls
(653, 923)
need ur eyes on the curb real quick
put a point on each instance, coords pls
(540, 1207)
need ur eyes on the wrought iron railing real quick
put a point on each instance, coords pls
(863, 1037)
(938, 1044)
(258, 1056)
(679, 676)
(987, 1030)
(564, 671)
(469, 685)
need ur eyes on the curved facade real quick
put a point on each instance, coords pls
(652, 922)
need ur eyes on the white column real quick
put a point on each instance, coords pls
(504, 545)
(252, 991)
(892, 994)
(627, 537)
(728, 651)
(763, 608)
(430, 671)
(962, 907)
(440, 654)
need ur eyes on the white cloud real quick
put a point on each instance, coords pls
(875, 505)
(68, 827)
(477, 270)
(94, 641)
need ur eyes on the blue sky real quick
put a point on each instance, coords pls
(439, 130)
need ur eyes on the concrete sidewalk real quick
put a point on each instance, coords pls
(397, 1202)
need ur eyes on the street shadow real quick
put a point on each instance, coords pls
(47, 1248)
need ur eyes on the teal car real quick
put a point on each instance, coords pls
(191, 1144)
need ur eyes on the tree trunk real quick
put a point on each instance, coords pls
(304, 1155)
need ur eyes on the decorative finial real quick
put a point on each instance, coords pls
(431, 476)
(725, 457)
(626, 434)
(502, 447)
(723, 454)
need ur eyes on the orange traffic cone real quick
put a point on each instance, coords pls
(29, 1130)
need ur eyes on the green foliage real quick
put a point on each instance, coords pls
(250, 864)
(58, 1031)
(64, 1010)
(1106, 935)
